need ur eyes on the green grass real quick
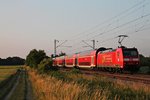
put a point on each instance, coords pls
(6, 71)
(8, 77)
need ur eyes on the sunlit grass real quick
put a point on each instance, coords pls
(6, 71)
(10, 67)
(50, 88)
(57, 85)
(7, 79)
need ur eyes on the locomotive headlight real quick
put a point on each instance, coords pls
(126, 59)
(135, 59)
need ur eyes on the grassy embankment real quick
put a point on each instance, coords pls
(7, 79)
(72, 85)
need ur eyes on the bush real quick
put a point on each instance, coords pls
(45, 65)
(75, 71)
(144, 70)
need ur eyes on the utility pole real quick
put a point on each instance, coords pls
(93, 44)
(59, 45)
(88, 45)
(55, 42)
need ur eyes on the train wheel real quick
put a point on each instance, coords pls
(112, 70)
(76, 67)
(94, 68)
(64, 66)
(121, 70)
(136, 69)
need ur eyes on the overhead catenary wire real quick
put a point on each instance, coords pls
(112, 33)
(111, 23)
(122, 25)
(132, 12)
(119, 26)
(132, 32)
(114, 17)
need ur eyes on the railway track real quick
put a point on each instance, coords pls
(141, 78)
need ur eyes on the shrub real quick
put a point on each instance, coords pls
(45, 65)
(75, 71)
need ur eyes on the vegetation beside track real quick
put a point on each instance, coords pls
(51, 84)
(56, 85)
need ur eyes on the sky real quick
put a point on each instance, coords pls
(35, 24)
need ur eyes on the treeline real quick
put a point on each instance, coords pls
(12, 61)
(144, 61)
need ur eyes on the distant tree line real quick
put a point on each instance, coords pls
(12, 61)
(144, 61)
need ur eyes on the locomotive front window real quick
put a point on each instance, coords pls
(130, 53)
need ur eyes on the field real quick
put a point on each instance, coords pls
(7, 79)
(6, 71)
(14, 83)
(72, 85)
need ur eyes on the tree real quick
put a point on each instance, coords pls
(35, 57)
(145, 61)
(62, 54)
(12, 61)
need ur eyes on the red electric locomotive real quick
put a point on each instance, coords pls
(121, 58)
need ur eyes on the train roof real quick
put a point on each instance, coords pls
(87, 52)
